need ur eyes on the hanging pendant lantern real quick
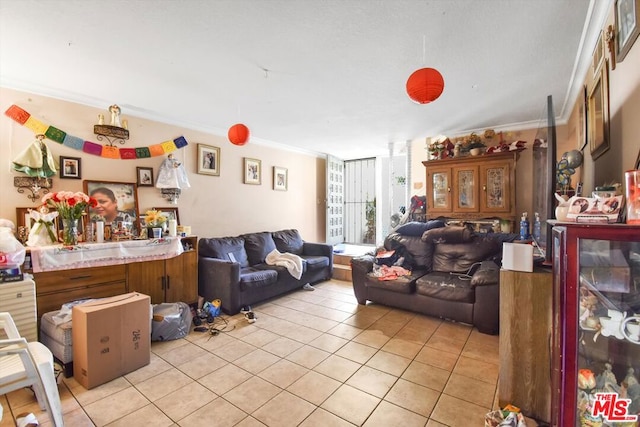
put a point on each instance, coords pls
(238, 134)
(425, 85)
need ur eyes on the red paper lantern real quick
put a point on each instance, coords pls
(425, 85)
(238, 134)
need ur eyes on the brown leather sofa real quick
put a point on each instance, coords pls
(454, 275)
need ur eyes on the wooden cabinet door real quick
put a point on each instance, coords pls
(438, 191)
(495, 187)
(148, 278)
(525, 334)
(465, 189)
(182, 278)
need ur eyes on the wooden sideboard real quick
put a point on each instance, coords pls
(525, 340)
(472, 187)
(169, 280)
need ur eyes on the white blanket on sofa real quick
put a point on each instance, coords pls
(292, 262)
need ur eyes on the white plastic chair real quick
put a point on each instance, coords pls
(24, 364)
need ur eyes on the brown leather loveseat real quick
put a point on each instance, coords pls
(454, 275)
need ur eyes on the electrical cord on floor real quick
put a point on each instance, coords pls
(219, 326)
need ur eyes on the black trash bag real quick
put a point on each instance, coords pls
(171, 321)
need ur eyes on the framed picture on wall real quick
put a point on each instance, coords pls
(117, 201)
(208, 160)
(70, 167)
(627, 30)
(145, 177)
(598, 55)
(582, 118)
(280, 178)
(598, 112)
(252, 171)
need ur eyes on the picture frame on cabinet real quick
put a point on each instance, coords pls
(627, 17)
(252, 171)
(598, 113)
(169, 213)
(70, 167)
(114, 198)
(144, 177)
(280, 178)
(208, 160)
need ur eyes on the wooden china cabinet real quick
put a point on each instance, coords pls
(472, 187)
(596, 318)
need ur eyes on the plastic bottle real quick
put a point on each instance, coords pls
(537, 231)
(524, 227)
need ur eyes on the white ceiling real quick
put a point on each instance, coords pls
(325, 76)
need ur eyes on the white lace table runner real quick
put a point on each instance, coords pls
(57, 257)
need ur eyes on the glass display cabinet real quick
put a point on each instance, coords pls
(472, 187)
(596, 317)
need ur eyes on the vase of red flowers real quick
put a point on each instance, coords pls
(70, 206)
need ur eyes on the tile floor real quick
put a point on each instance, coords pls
(313, 358)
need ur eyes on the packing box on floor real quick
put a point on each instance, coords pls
(111, 337)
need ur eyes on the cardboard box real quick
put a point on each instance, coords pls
(111, 337)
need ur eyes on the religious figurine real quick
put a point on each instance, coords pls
(172, 174)
(100, 119)
(43, 231)
(115, 115)
(607, 381)
(36, 160)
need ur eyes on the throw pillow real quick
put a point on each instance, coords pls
(417, 229)
(258, 246)
(222, 247)
(451, 234)
(288, 241)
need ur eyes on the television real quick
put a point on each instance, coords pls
(544, 176)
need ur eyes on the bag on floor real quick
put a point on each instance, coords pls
(171, 321)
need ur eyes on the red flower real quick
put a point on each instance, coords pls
(72, 202)
(93, 202)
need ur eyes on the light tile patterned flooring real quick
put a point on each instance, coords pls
(313, 358)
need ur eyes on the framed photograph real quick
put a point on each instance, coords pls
(117, 201)
(208, 160)
(598, 54)
(252, 171)
(626, 14)
(70, 167)
(598, 112)
(280, 178)
(144, 177)
(170, 213)
(582, 118)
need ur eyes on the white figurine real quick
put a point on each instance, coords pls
(172, 174)
(115, 115)
(43, 232)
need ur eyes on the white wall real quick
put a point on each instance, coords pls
(213, 206)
